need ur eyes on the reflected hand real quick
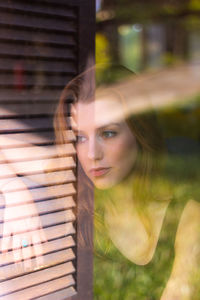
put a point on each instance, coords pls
(22, 230)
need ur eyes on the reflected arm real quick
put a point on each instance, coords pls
(18, 223)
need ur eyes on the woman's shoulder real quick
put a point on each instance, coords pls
(192, 207)
(189, 222)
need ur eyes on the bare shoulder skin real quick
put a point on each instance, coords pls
(129, 234)
(181, 284)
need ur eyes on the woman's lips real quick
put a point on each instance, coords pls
(96, 172)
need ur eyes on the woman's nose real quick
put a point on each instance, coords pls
(95, 150)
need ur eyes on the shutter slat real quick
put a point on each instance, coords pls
(52, 232)
(24, 36)
(37, 22)
(43, 207)
(31, 123)
(54, 205)
(28, 167)
(55, 245)
(35, 66)
(24, 109)
(10, 271)
(40, 9)
(60, 3)
(57, 191)
(26, 124)
(35, 278)
(54, 178)
(57, 231)
(48, 219)
(26, 139)
(30, 153)
(7, 81)
(38, 180)
(61, 190)
(63, 294)
(42, 289)
(12, 49)
(32, 96)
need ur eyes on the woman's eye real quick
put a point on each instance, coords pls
(80, 139)
(109, 133)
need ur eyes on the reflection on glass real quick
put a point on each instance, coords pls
(146, 175)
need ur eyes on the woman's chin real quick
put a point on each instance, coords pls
(103, 184)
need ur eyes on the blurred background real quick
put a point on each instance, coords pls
(160, 38)
(151, 35)
(157, 41)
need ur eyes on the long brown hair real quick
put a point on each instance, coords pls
(75, 90)
(144, 127)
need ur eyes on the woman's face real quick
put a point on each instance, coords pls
(106, 146)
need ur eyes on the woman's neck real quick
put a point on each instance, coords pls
(126, 224)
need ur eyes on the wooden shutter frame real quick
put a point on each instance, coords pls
(84, 253)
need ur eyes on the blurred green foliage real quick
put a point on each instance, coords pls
(181, 119)
(102, 50)
(117, 278)
(130, 46)
(194, 4)
(107, 72)
(145, 12)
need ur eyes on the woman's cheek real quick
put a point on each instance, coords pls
(112, 152)
(124, 155)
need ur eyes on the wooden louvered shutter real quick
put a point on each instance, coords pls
(44, 44)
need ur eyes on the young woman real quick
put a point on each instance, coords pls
(123, 154)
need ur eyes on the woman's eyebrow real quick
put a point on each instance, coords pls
(100, 128)
(108, 125)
